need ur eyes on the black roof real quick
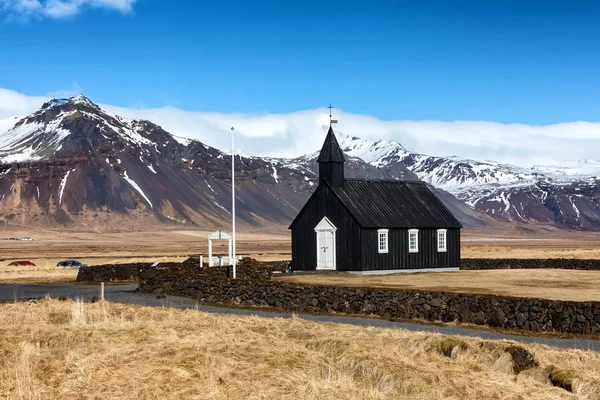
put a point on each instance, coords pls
(394, 204)
(331, 152)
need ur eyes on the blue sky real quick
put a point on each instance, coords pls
(532, 62)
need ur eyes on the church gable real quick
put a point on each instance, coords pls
(325, 225)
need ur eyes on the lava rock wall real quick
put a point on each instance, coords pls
(528, 263)
(247, 269)
(495, 311)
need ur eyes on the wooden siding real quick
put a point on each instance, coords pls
(398, 256)
(324, 203)
(331, 172)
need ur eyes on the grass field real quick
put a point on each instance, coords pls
(72, 350)
(49, 247)
(532, 249)
(100, 248)
(117, 247)
(537, 283)
(37, 275)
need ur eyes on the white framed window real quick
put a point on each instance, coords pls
(441, 239)
(382, 236)
(413, 240)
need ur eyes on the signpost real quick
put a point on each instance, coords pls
(233, 260)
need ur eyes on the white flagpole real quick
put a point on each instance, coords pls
(233, 200)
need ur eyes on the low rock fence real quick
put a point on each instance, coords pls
(502, 312)
(247, 269)
(245, 272)
(528, 263)
(115, 272)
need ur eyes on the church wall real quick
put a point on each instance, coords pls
(398, 256)
(304, 239)
(332, 172)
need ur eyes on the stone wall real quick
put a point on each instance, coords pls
(252, 269)
(503, 312)
(245, 272)
(247, 269)
(115, 272)
(525, 263)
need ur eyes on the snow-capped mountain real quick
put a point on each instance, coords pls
(566, 195)
(72, 163)
(449, 173)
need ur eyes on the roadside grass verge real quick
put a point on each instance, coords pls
(63, 349)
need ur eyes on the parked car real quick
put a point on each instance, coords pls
(70, 263)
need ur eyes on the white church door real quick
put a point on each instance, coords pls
(325, 232)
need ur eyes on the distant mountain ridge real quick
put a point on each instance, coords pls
(70, 163)
(565, 195)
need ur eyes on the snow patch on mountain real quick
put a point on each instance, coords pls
(61, 189)
(8, 123)
(137, 188)
(26, 142)
(55, 103)
(582, 169)
(377, 153)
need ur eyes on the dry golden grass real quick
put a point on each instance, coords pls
(37, 274)
(542, 250)
(72, 350)
(512, 241)
(93, 248)
(98, 248)
(556, 284)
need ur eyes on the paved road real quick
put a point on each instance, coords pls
(127, 294)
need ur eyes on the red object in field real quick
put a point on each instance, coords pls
(22, 263)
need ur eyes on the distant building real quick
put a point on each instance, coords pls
(372, 226)
(22, 263)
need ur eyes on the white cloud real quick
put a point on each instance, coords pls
(57, 9)
(75, 90)
(301, 132)
(6, 124)
(13, 103)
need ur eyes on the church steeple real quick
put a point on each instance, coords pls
(331, 161)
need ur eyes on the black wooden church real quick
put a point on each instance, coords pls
(372, 226)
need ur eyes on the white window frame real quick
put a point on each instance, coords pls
(379, 233)
(445, 234)
(416, 233)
